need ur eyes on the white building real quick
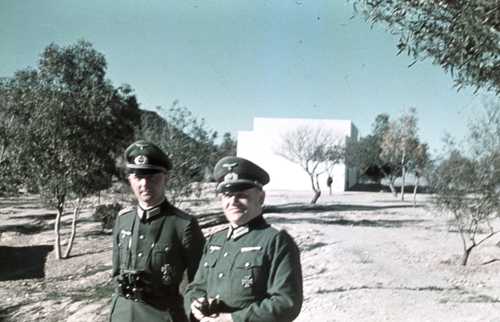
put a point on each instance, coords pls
(260, 144)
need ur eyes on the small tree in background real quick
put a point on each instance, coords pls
(75, 124)
(188, 142)
(469, 187)
(398, 146)
(365, 154)
(314, 149)
(227, 147)
(421, 166)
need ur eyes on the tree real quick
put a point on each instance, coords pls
(187, 141)
(314, 149)
(399, 144)
(461, 36)
(10, 171)
(75, 124)
(421, 165)
(468, 187)
(227, 146)
(365, 153)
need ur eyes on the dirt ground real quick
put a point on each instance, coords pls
(365, 257)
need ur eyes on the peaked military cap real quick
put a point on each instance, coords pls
(236, 174)
(144, 157)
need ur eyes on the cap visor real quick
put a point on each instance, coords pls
(144, 172)
(235, 186)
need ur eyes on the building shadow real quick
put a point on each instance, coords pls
(23, 262)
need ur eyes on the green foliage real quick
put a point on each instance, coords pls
(187, 141)
(468, 186)
(74, 122)
(461, 36)
(106, 214)
(365, 153)
(227, 147)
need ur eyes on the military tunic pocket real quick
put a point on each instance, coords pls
(124, 246)
(210, 260)
(246, 279)
(161, 265)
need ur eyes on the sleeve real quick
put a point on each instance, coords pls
(285, 293)
(197, 288)
(193, 242)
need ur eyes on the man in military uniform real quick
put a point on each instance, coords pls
(153, 244)
(249, 271)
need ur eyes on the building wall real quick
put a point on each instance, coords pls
(260, 147)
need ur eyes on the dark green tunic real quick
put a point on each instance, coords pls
(161, 248)
(254, 271)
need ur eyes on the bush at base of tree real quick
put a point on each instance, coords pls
(106, 214)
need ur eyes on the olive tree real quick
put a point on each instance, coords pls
(461, 36)
(314, 149)
(74, 125)
(365, 154)
(399, 144)
(188, 142)
(467, 183)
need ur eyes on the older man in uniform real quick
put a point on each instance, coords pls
(153, 244)
(250, 271)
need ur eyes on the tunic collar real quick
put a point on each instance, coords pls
(236, 232)
(147, 214)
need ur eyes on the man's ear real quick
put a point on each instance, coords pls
(262, 197)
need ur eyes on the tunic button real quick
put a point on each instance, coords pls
(139, 255)
(221, 275)
(205, 264)
(247, 264)
(225, 254)
(141, 236)
(166, 249)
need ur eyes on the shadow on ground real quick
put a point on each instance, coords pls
(23, 262)
(26, 229)
(47, 216)
(301, 207)
(346, 222)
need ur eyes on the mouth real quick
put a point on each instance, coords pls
(236, 210)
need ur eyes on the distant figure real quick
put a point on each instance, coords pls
(249, 271)
(153, 244)
(329, 182)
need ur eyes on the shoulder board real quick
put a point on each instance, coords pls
(209, 232)
(276, 227)
(125, 210)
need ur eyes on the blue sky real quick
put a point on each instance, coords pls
(229, 61)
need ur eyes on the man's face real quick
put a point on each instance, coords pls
(149, 189)
(242, 206)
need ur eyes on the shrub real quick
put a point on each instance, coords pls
(106, 214)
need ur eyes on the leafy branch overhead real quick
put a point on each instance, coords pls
(462, 36)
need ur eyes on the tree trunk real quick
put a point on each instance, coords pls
(466, 254)
(76, 211)
(57, 224)
(403, 175)
(315, 188)
(415, 191)
(393, 189)
(316, 196)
